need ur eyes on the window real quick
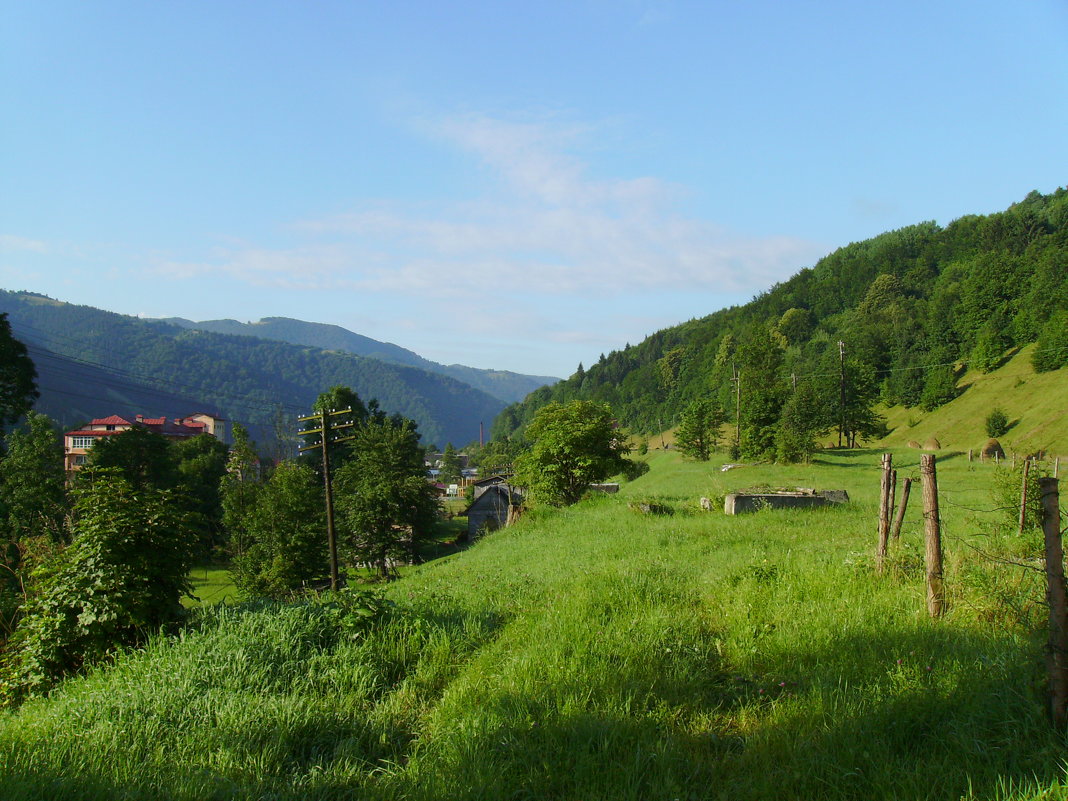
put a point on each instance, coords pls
(80, 459)
(82, 442)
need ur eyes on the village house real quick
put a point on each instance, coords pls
(78, 443)
(493, 498)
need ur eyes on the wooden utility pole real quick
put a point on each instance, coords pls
(884, 512)
(1057, 644)
(932, 536)
(841, 391)
(327, 438)
(1023, 496)
(899, 518)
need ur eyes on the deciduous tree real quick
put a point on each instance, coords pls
(572, 445)
(18, 377)
(384, 501)
(287, 552)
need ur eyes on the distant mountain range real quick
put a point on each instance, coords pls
(92, 363)
(508, 387)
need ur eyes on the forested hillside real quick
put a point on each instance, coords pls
(893, 319)
(502, 384)
(92, 363)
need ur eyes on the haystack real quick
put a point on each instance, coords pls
(993, 449)
(913, 444)
(932, 444)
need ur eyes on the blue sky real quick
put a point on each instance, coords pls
(513, 185)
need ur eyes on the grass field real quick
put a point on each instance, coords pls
(599, 653)
(211, 585)
(1036, 404)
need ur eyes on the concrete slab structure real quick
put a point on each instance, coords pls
(752, 501)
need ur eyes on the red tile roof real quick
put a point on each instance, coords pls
(181, 427)
(113, 420)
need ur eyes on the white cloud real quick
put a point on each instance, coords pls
(10, 243)
(552, 228)
(546, 227)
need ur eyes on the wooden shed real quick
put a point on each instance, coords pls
(489, 510)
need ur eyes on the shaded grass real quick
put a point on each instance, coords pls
(597, 653)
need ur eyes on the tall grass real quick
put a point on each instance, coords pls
(599, 653)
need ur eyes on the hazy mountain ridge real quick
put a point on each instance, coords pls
(503, 384)
(92, 362)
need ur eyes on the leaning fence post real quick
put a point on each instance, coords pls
(892, 499)
(1057, 646)
(884, 513)
(932, 536)
(1023, 496)
(899, 518)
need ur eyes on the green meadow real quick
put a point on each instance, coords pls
(596, 652)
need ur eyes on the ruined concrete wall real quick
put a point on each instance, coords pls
(742, 502)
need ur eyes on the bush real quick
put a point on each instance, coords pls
(997, 423)
(121, 578)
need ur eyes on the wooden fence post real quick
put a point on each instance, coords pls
(899, 518)
(969, 454)
(1057, 645)
(892, 500)
(1023, 496)
(932, 536)
(884, 513)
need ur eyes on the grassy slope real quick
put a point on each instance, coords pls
(1036, 404)
(596, 653)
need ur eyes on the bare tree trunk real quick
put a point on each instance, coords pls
(899, 518)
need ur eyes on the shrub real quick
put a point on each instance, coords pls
(997, 423)
(121, 578)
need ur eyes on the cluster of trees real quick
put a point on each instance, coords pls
(912, 308)
(100, 559)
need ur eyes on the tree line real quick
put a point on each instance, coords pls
(892, 320)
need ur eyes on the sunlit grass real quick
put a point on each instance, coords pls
(211, 585)
(596, 652)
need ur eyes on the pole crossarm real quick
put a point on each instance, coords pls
(325, 429)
